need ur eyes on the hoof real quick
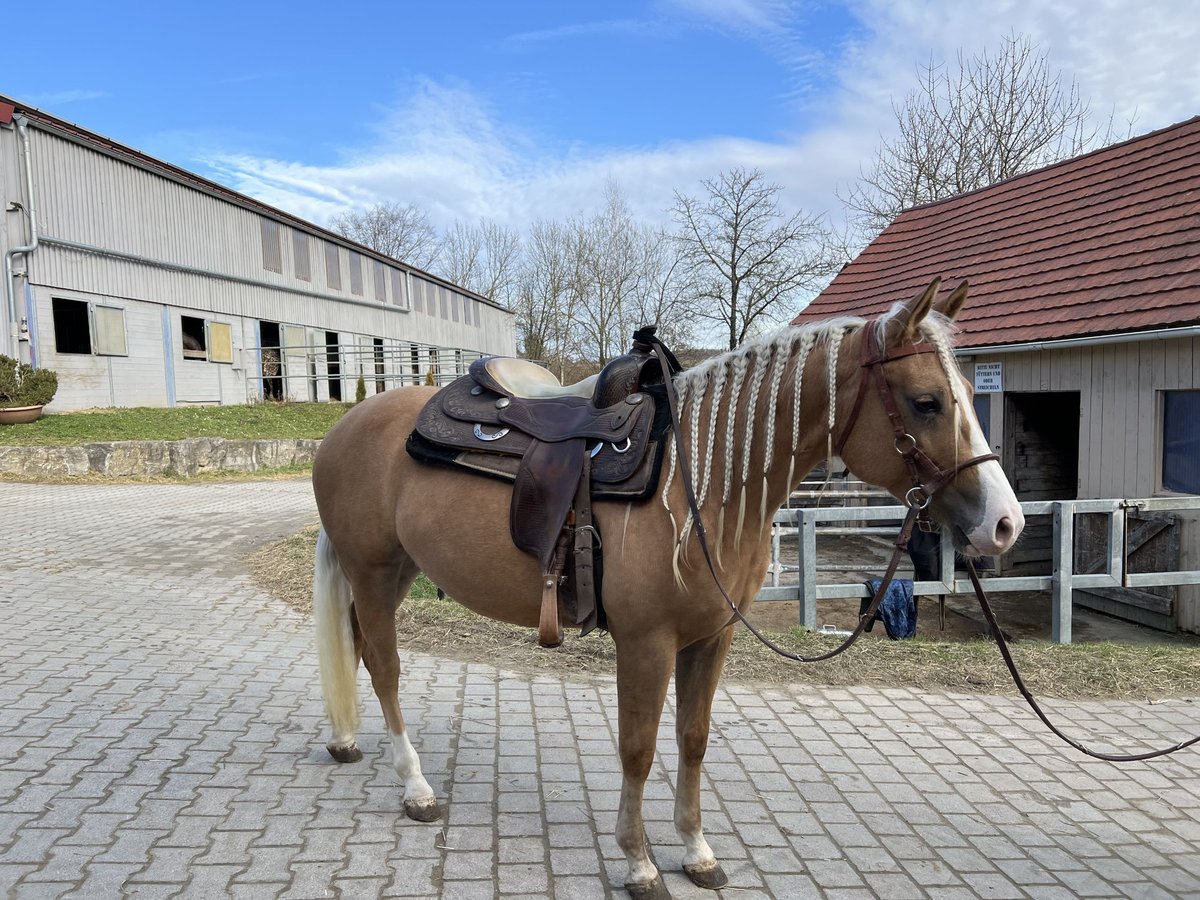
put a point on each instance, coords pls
(711, 877)
(651, 890)
(344, 753)
(422, 810)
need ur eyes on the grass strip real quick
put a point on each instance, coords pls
(256, 421)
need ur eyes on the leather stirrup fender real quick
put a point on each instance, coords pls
(550, 632)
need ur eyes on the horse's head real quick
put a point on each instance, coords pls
(905, 420)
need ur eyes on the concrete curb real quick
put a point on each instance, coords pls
(122, 459)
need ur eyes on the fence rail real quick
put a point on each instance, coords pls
(295, 371)
(1061, 582)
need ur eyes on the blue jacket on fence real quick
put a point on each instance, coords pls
(898, 611)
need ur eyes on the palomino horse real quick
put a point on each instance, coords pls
(754, 421)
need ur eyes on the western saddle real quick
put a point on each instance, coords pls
(561, 447)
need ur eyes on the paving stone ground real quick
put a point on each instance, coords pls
(161, 735)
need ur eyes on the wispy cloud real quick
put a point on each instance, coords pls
(601, 27)
(61, 98)
(445, 150)
(764, 16)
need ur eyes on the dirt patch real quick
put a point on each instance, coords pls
(954, 659)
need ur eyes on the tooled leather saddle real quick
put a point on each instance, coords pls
(561, 447)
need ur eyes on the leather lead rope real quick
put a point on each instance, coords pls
(1002, 644)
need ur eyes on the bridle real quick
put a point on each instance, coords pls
(926, 475)
(927, 479)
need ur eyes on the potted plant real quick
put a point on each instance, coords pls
(24, 390)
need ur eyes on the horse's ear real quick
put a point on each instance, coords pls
(952, 305)
(907, 319)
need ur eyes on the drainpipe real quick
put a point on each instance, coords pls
(10, 294)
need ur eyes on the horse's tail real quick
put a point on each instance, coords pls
(332, 599)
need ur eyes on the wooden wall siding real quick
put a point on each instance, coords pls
(92, 198)
(1120, 433)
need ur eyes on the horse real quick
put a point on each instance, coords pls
(752, 423)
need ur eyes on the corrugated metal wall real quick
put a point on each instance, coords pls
(200, 254)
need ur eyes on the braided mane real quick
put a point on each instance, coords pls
(712, 393)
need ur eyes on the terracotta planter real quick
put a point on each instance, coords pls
(19, 415)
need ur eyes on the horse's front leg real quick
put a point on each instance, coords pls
(697, 669)
(643, 670)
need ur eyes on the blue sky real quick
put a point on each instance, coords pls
(516, 111)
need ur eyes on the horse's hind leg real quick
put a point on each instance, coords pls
(376, 595)
(697, 669)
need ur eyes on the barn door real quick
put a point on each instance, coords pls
(1151, 545)
(1041, 457)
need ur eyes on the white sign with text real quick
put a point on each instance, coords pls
(989, 378)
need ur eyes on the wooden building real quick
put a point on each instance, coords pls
(143, 284)
(1081, 336)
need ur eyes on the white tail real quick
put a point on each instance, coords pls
(332, 598)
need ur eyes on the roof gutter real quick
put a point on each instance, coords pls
(10, 291)
(1128, 337)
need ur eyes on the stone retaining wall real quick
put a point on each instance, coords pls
(121, 459)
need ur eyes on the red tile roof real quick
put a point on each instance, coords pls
(1100, 244)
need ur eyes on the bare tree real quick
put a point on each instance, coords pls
(666, 297)
(402, 232)
(990, 118)
(610, 273)
(747, 260)
(543, 299)
(482, 258)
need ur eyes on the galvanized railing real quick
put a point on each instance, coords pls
(1061, 581)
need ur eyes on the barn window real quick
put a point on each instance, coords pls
(271, 250)
(333, 267)
(380, 281)
(72, 327)
(418, 294)
(983, 412)
(356, 273)
(1181, 442)
(300, 258)
(81, 327)
(110, 331)
(202, 339)
(195, 343)
(398, 288)
(220, 342)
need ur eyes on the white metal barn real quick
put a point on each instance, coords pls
(142, 284)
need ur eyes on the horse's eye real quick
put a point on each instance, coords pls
(927, 405)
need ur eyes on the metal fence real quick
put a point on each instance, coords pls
(1060, 582)
(295, 371)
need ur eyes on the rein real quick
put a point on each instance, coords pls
(927, 478)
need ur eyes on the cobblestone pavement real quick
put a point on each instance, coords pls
(161, 735)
